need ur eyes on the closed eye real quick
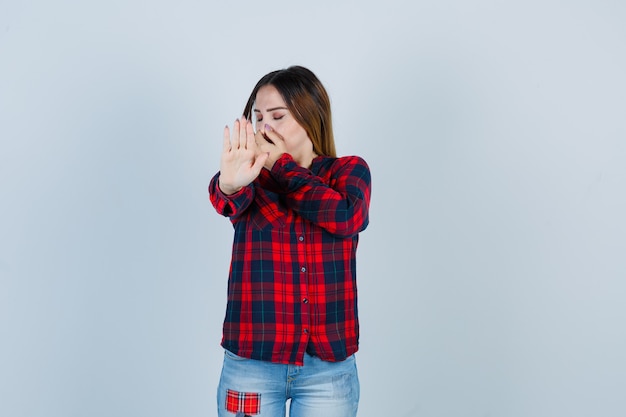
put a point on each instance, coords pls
(259, 117)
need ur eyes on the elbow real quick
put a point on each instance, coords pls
(349, 227)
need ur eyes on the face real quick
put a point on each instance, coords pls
(270, 109)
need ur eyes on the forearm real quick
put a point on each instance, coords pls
(230, 205)
(340, 205)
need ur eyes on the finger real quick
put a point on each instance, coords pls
(260, 161)
(259, 141)
(271, 134)
(235, 138)
(242, 132)
(226, 147)
(260, 138)
(250, 137)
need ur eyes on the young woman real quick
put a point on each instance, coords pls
(291, 327)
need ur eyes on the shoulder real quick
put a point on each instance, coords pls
(354, 166)
(351, 169)
(344, 162)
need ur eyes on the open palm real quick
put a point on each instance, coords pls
(240, 163)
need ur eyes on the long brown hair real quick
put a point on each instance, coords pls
(308, 102)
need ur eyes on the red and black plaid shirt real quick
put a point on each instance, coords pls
(292, 282)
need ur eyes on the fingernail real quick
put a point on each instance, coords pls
(268, 127)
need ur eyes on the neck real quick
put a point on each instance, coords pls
(306, 160)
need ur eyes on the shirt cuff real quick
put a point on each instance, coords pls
(280, 164)
(229, 196)
(229, 205)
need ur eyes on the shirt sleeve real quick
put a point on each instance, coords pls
(341, 207)
(230, 205)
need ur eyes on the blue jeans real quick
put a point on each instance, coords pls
(256, 388)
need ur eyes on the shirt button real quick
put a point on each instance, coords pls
(305, 300)
(303, 269)
(301, 238)
(306, 331)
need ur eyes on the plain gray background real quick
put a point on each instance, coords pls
(491, 278)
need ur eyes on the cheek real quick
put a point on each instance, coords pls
(291, 136)
(301, 134)
(294, 134)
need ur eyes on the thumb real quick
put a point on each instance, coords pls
(260, 161)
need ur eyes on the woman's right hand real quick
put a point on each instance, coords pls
(240, 163)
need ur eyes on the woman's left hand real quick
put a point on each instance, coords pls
(271, 142)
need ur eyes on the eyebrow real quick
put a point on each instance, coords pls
(272, 109)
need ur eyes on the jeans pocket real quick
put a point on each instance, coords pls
(232, 356)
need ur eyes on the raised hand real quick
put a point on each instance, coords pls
(241, 161)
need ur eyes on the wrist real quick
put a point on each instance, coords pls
(271, 160)
(227, 189)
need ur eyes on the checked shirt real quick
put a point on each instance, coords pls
(292, 280)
